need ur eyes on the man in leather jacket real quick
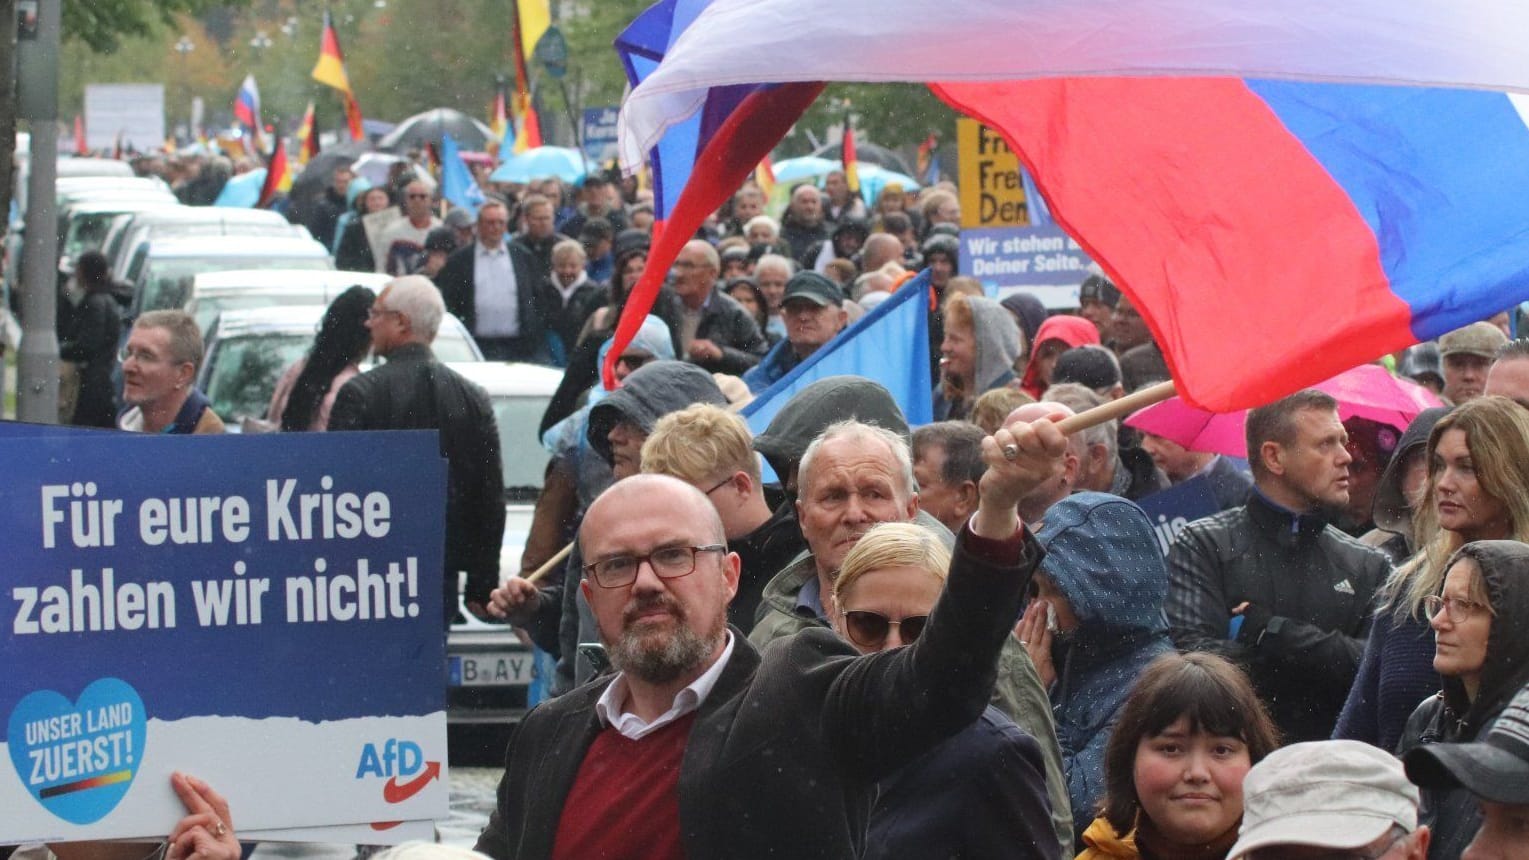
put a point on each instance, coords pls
(413, 391)
(1272, 584)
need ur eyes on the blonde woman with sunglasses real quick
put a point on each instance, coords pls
(982, 793)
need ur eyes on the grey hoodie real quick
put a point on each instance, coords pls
(997, 337)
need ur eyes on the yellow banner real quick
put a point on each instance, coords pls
(992, 193)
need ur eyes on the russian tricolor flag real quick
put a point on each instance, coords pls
(1234, 165)
(247, 105)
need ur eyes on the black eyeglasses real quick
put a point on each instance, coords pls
(634, 361)
(419, 196)
(869, 629)
(668, 562)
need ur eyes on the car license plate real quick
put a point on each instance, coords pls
(492, 669)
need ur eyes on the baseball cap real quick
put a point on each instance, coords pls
(440, 239)
(813, 286)
(1495, 768)
(1090, 366)
(1324, 794)
(1478, 338)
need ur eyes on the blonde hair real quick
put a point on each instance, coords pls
(995, 405)
(1497, 434)
(700, 443)
(568, 248)
(890, 545)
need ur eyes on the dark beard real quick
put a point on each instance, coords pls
(661, 663)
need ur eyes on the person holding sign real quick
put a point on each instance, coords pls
(701, 746)
(205, 833)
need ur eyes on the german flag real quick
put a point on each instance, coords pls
(530, 135)
(307, 136)
(278, 176)
(330, 71)
(764, 177)
(499, 114)
(851, 160)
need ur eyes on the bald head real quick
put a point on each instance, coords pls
(1033, 507)
(633, 497)
(880, 249)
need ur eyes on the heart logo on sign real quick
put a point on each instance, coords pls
(78, 759)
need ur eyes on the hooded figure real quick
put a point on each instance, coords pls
(1102, 556)
(1069, 330)
(811, 410)
(648, 394)
(1392, 534)
(994, 339)
(1029, 313)
(569, 438)
(1453, 716)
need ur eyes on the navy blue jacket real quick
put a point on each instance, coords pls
(981, 793)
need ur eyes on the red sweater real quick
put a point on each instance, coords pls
(625, 802)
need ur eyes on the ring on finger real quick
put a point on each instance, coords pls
(1024, 643)
(218, 830)
(1011, 452)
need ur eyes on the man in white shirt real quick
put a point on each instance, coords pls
(403, 242)
(491, 287)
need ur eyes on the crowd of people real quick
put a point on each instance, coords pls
(961, 639)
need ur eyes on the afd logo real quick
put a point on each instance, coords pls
(398, 758)
(393, 759)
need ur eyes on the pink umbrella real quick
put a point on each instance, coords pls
(1367, 391)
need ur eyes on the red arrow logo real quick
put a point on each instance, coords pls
(392, 792)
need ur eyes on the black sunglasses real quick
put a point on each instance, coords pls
(869, 629)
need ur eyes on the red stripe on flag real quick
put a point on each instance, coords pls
(1251, 266)
(744, 139)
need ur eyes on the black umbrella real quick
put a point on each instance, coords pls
(431, 126)
(869, 153)
(319, 170)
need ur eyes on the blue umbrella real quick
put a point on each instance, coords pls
(540, 163)
(873, 178)
(807, 166)
(242, 191)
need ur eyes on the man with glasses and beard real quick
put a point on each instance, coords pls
(701, 746)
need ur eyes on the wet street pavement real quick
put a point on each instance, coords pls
(472, 798)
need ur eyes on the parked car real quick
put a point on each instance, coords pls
(171, 265)
(213, 293)
(128, 247)
(490, 666)
(83, 225)
(247, 350)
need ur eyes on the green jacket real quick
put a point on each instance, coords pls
(1018, 694)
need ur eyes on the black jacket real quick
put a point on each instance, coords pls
(413, 391)
(764, 552)
(725, 323)
(1453, 717)
(456, 282)
(785, 752)
(93, 345)
(980, 794)
(354, 253)
(1310, 589)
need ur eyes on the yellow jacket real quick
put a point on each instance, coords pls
(1103, 843)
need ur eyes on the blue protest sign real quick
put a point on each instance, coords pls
(598, 134)
(261, 611)
(1042, 260)
(1178, 506)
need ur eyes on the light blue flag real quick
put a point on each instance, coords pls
(457, 184)
(889, 345)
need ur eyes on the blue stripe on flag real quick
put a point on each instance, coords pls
(1439, 175)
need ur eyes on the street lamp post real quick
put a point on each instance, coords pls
(184, 46)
